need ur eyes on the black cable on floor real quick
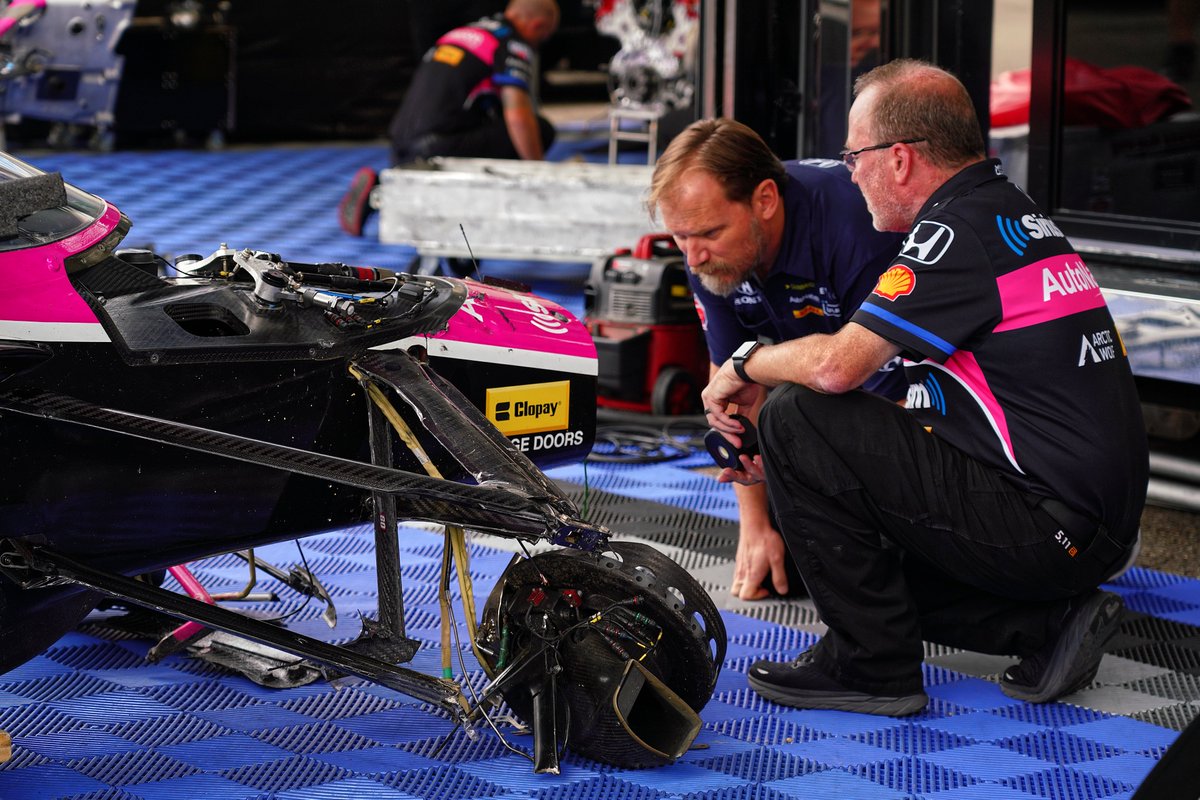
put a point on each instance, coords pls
(631, 438)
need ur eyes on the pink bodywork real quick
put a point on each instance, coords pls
(510, 321)
(38, 289)
(492, 322)
(18, 10)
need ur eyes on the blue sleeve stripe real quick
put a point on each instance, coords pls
(906, 326)
(509, 80)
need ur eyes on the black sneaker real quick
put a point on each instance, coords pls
(1071, 662)
(800, 684)
(353, 208)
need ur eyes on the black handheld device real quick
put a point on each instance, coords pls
(722, 450)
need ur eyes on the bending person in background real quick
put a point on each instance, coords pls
(470, 97)
(775, 252)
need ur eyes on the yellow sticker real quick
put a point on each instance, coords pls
(448, 55)
(531, 408)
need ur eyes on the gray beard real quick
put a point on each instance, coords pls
(720, 286)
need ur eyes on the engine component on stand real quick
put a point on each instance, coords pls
(651, 69)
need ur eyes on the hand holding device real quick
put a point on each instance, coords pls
(724, 452)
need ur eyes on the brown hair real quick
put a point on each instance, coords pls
(732, 153)
(916, 100)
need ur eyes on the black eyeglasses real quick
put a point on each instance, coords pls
(850, 157)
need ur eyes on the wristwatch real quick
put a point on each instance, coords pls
(741, 356)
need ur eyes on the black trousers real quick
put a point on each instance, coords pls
(488, 139)
(901, 537)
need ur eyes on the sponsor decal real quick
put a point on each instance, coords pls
(520, 50)
(926, 394)
(1013, 235)
(446, 54)
(548, 441)
(1041, 227)
(1071, 279)
(468, 308)
(746, 295)
(532, 408)
(541, 317)
(700, 312)
(1018, 234)
(927, 242)
(518, 71)
(892, 364)
(897, 281)
(469, 38)
(1098, 347)
(821, 302)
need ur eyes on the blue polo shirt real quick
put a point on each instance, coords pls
(829, 261)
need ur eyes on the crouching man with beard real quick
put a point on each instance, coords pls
(775, 252)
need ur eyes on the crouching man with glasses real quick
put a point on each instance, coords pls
(985, 513)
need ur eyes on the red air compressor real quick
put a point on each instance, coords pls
(642, 317)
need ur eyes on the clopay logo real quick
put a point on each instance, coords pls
(531, 408)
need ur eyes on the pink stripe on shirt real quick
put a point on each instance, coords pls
(480, 44)
(963, 366)
(1047, 290)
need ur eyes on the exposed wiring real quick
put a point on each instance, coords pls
(479, 706)
(395, 285)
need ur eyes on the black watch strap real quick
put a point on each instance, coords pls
(741, 356)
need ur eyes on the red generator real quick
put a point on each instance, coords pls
(642, 317)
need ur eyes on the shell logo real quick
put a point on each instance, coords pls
(896, 281)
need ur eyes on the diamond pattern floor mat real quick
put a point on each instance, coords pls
(91, 718)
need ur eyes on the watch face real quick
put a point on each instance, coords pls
(744, 349)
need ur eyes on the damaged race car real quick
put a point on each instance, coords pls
(154, 413)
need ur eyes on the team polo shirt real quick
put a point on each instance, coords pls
(828, 262)
(460, 77)
(1012, 355)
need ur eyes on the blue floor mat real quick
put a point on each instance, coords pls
(92, 720)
